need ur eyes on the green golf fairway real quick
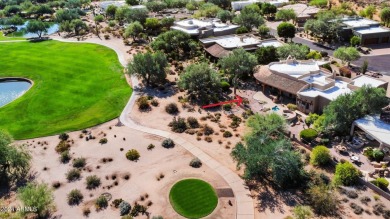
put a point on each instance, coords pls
(193, 198)
(76, 86)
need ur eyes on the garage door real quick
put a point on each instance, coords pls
(385, 39)
(371, 41)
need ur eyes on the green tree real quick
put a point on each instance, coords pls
(385, 16)
(320, 156)
(286, 30)
(78, 25)
(207, 10)
(155, 6)
(323, 199)
(67, 15)
(201, 82)
(152, 24)
(174, 43)
(38, 27)
(327, 26)
(297, 51)
(347, 54)
(224, 16)
(286, 14)
(319, 3)
(355, 41)
(134, 30)
(98, 18)
(239, 63)
(266, 55)
(221, 3)
(263, 30)
(338, 116)
(249, 17)
(167, 22)
(14, 160)
(14, 20)
(149, 66)
(110, 11)
(302, 212)
(268, 9)
(311, 118)
(368, 11)
(120, 14)
(346, 174)
(136, 14)
(132, 2)
(314, 55)
(38, 196)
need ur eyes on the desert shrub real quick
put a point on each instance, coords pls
(86, 211)
(227, 107)
(378, 209)
(242, 30)
(92, 182)
(143, 103)
(63, 136)
(73, 174)
(138, 209)
(178, 125)
(320, 156)
(116, 202)
(154, 102)
(323, 199)
(208, 139)
(172, 108)
(151, 146)
(103, 141)
(79, 162)
(308, 134)
(227, 134)
(346, 174)
(386, 214)
(381, 183)
(168, 143)
(356, 208)
(302, 212)
(127, 217)
(196, 163)
(157, 217)
(62, 146)
(132, 155)
(65, 157)
(292, 107)
(193, 122)
(235, 121)
(207, 130)
(56, 184)
(365, 200)
(351, 194)
(376, 197)
(124, 208)
(190, 131)
(225, 85)
(75, 197)
(101, 202)
(378, 155)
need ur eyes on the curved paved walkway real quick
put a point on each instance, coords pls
(244, 203)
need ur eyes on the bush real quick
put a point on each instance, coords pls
(356, 208)
(242, 30)
(193, 122)
(227, 134)
(225, 85)
(63, 136)
(151, 146)
(103, 141)
(308, 135)
(143, 103)
(292, 107)
(320, 156)
(75, 197)
(101, 202)
(133, 155)
(117, 202)
(62, 146)
(65, 157)
(346, 174)
(38, 196)
(178, 125)
(381, 183)
(99, 18)
(172, 108)
(323, 199)
(302, 212)
(124, 208)
(73, 174)
(79, 162)
(93, 182)
(365, 200)
(196, 163)
(154, 102)
(168, 143)
(352, 194)
(355, 41)
(227, 107)
(378, 155)
(157, 217)
(207, 130)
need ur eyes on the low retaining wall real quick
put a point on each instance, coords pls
(16, 79)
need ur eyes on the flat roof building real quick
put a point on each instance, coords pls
(368, 30)
(312, 86)
(204, 28)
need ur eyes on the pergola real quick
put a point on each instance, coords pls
(375, 127)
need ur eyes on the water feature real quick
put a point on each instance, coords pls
(275, 108)
(11, 89)
(22, 32)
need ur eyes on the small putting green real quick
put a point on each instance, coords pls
(76, 86)
(193, 198)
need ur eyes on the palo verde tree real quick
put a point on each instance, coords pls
(286, 30)
(201, 82)
(237, 64)
(385, 16)
(38, 196)
(249, 17)
(174, 43)
(294, 50)
(134, 30)
(38, 27)
(347, 54)
(149, 66)
(286, 14)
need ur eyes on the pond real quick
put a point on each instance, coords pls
(22, 32)
(11, 89)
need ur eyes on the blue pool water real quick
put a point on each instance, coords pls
(22, 29)
(12, 89)
(275, 108)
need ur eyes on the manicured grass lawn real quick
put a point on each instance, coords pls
(193, 198)
(4, 38)
(76, 86)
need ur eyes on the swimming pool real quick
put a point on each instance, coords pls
(275, 108)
